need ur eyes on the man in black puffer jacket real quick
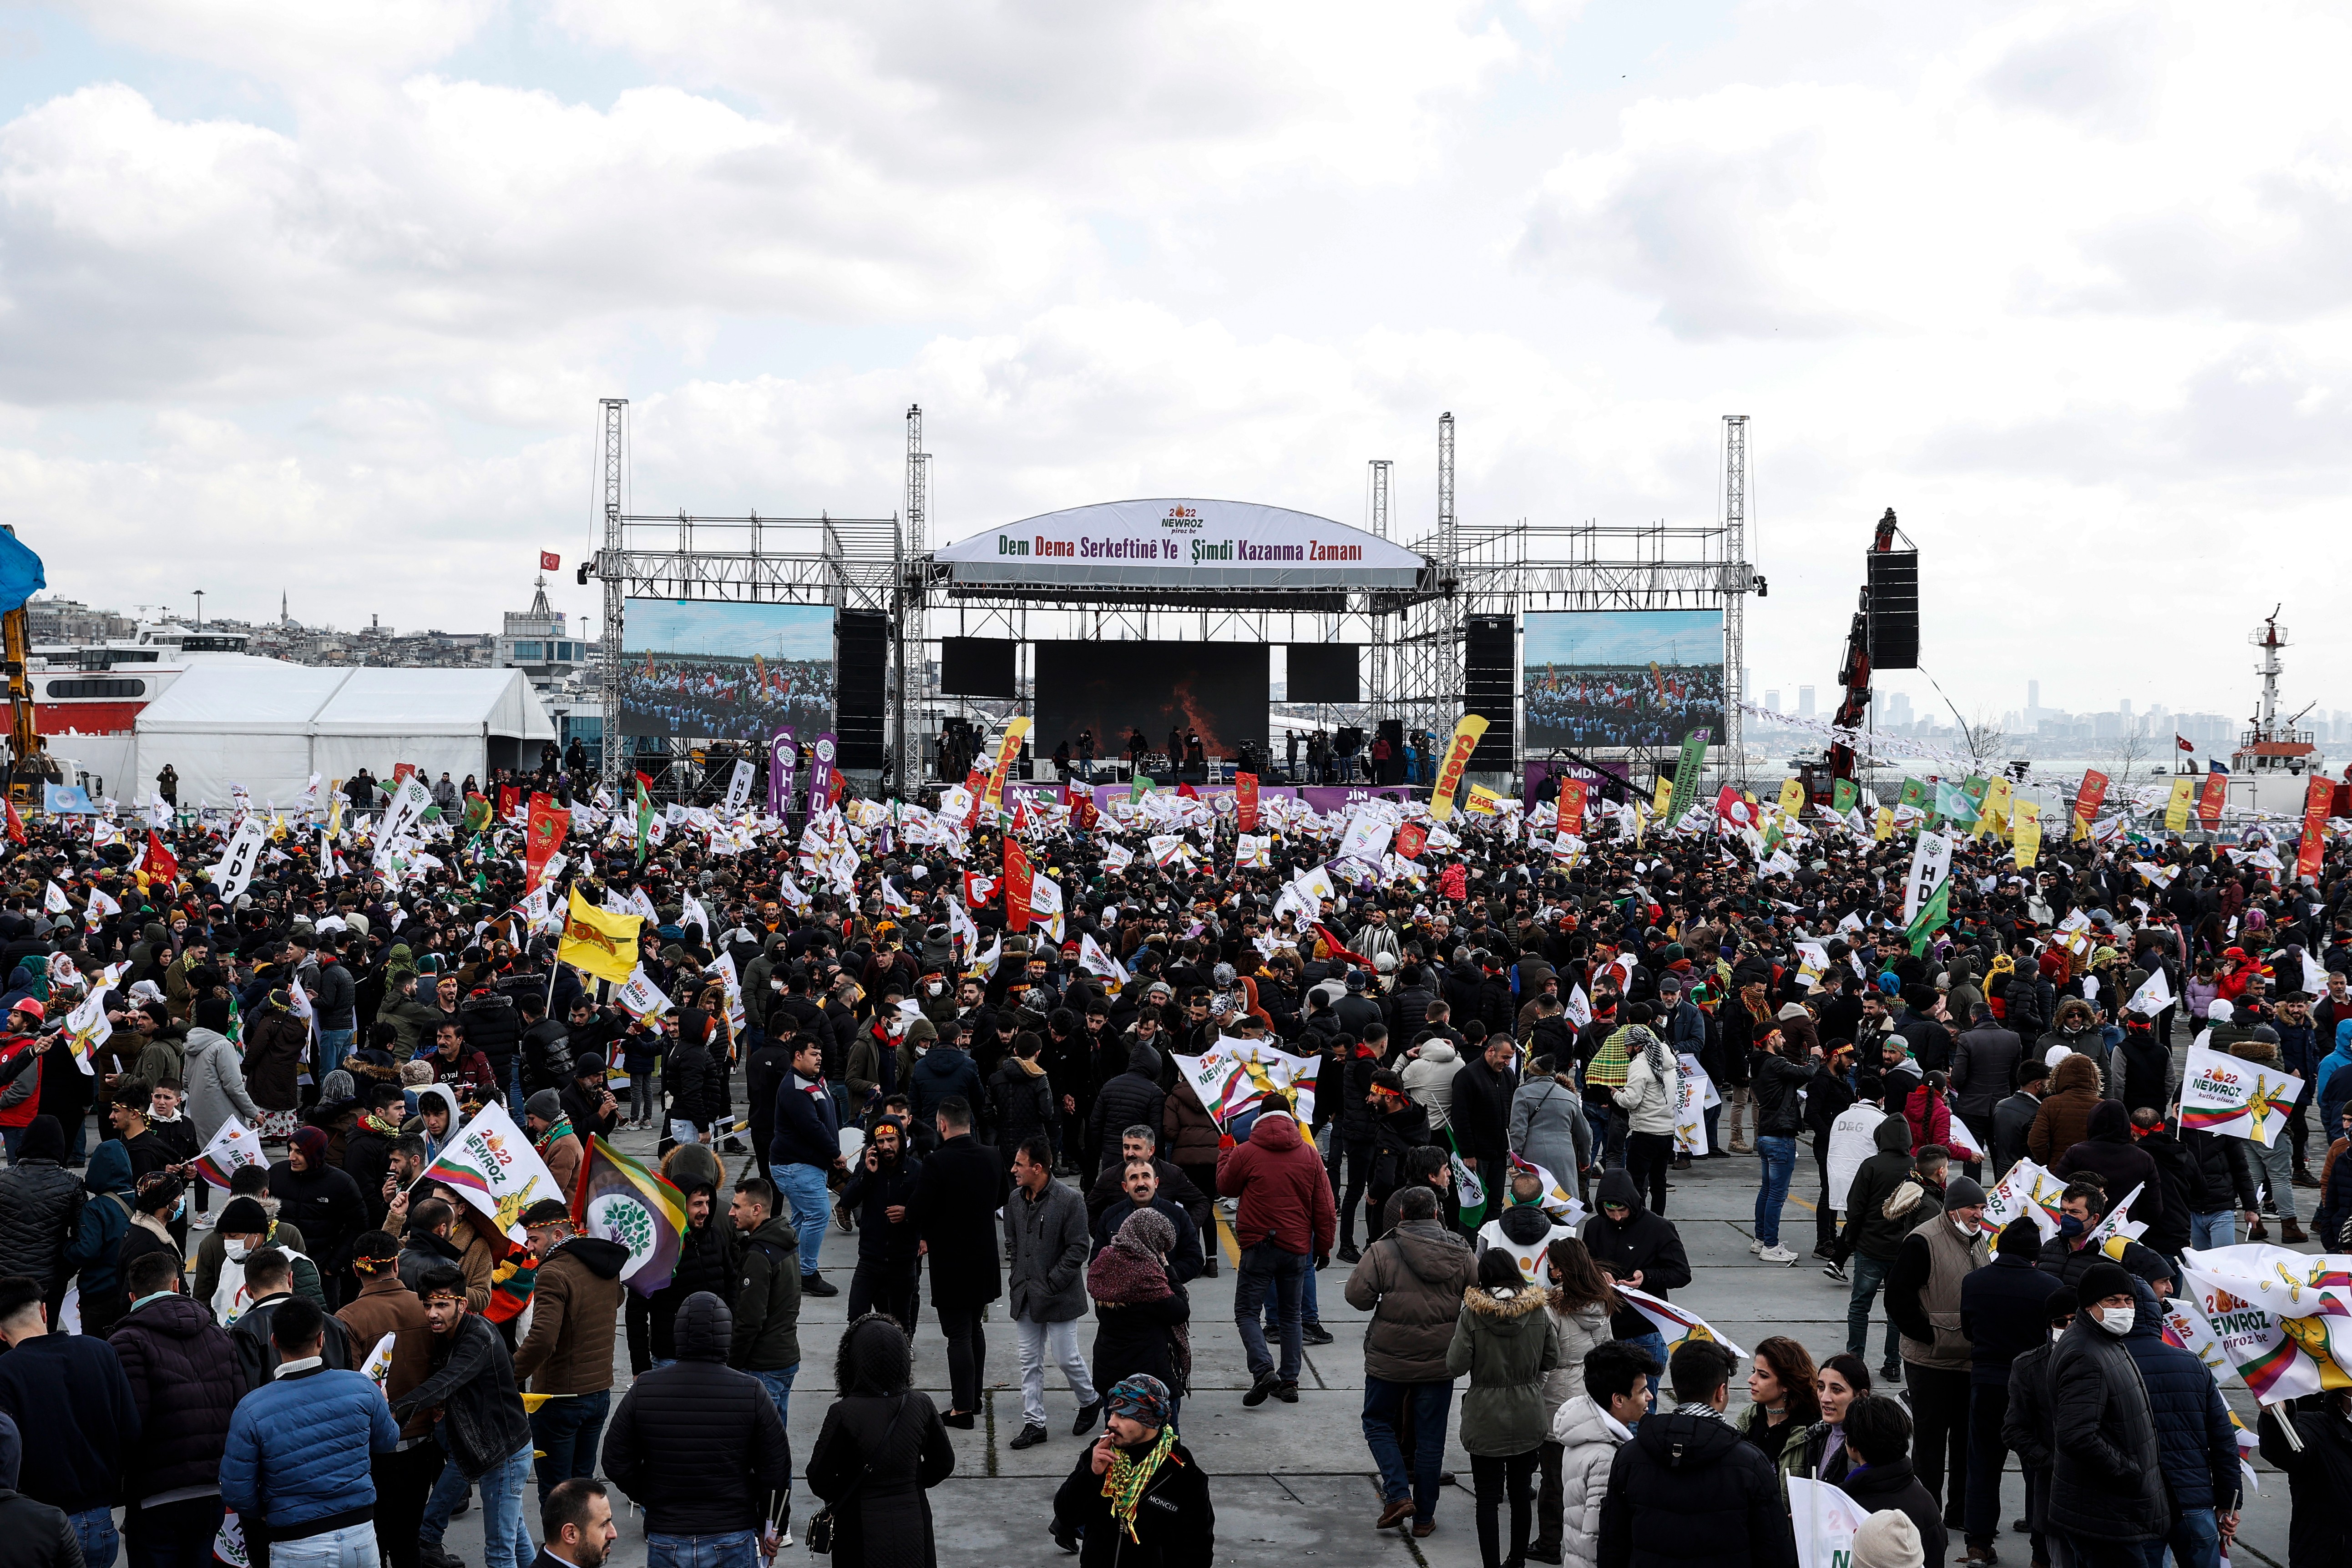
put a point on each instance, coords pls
(1131, 1099)
(40, 1209)
(185, 1379)
(2106, 1483)
(494, 1027)
(697, 1443)
(472, 1384)
(1688, 1487)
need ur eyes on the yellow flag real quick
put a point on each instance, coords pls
(1882, 825)
(1665, 797)
(1017, 731)
(1483, 801)
(1458, 757)
(598, 942)
(1792, 798)
(2176, 814)
(2029, 832)
(1994, 819)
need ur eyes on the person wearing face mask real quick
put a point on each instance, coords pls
(2106, 1480)
(246, 1229)
(1922, 1300)
(2029, 1427)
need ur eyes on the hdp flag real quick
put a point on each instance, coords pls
(617, 1199)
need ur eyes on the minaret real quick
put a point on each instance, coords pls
(283, 619)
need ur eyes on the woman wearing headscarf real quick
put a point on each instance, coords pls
(881, 1450)
(1141, 1314)
(274, 1042)
(1136, 1498)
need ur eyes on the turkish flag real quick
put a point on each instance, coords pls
(542, 835)
(2183, 743)
(1245, 800)
(549, 561)
(160, 861)
(1016, 886)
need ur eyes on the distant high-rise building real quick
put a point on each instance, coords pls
(2032, 697)
(2124, 707)
(1771, 699)
(1804, 702)
(1898, 707)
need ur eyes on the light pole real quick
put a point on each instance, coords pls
(200, 609)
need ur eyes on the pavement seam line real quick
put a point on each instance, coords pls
(988, 1414)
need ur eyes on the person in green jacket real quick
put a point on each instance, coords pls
(1504, 1340)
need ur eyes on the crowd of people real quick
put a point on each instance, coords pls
(349, 1350)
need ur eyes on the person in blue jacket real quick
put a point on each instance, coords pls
(2197, 1447)
(2329, 1086)
(296, 1468)
(805, 1147)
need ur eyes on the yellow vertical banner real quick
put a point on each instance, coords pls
(1663, 800)
(2029, 832)
(2176, 814)
(1017, 729)
(1792, 798)
(1458, 757)
(1882, 824)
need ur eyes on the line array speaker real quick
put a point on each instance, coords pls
(1893, 582)
(861, 665)
(1490, 686)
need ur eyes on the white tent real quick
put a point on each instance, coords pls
(269, 726)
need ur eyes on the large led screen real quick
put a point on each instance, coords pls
(1217, 689)
(704, 670)
(1621, 677)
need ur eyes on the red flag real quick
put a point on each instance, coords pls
(549, 561)
(2318, 796)
(1246, 799)
(2216, 795)
(1016, 886)
(1339, 949)
(542, 836)
(509, 796)
(975, 786)
(1571, 807)
(400, 772)
(160, 862)
(978, 889)
(1021, 817)
(1186, 792)
(2183, 744)
(15, 824)
(1082, 815)
(1411, 839)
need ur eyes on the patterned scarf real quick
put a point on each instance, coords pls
(556, 1131)
(380, 1126)
(1124, 1482)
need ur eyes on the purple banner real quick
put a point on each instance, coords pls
(820, 790)
(1322, 797)
(783, 757)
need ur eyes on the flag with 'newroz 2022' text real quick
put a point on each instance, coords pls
(490, 1162)
(2238, 1098)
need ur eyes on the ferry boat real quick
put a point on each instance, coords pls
(2271, 769)
(99, 689)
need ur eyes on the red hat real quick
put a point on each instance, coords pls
(31, 1005)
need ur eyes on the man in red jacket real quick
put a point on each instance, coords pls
(1285, 1225)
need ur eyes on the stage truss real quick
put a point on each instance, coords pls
(1416, 635)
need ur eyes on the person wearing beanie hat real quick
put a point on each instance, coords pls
(553, 1134)
(1888, 1539)
(2028, 1428)
(2106, 1480)
(325, 1202)
(1923, 1301)
(2004, 1313)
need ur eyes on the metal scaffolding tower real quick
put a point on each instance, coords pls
(1734, 590)
(1378, 697)
(912, 683)
(614, 468)
(1428, 646)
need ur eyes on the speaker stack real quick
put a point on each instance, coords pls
(1490, 686)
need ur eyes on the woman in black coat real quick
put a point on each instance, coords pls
(1141, 1313)
(881, 1450)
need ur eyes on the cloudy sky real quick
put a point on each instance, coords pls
(319, 296)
